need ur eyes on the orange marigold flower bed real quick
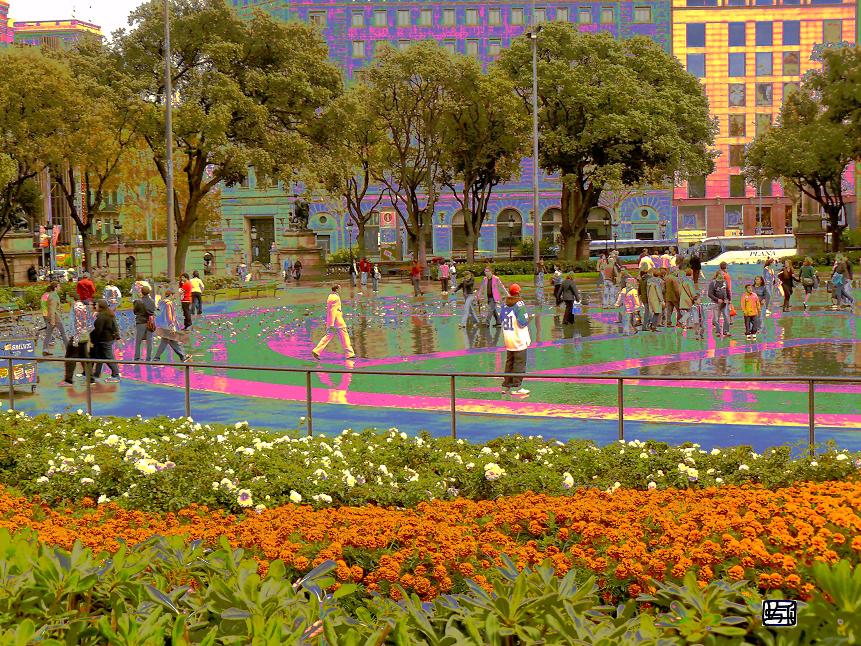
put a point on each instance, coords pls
(626, 538)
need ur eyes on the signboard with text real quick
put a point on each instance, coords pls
(24, 368)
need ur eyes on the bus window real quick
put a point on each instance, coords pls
(710, 250)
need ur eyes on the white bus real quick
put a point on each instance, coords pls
(744, 250)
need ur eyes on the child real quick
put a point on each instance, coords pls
(629, 300)
(375, 278)
(697, 319)
(751, 307)
(515, 331)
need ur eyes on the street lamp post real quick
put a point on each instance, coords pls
(606, 220)
(168, 137)
(510, 232)
(615, 226)
(253, 243)
(118, 229)
(532, 34)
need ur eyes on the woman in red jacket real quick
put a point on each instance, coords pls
(185, 287)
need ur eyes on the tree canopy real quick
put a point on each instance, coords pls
(610, 111)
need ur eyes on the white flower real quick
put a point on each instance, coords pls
(719, 480)
(841, 457)
(567, 480)
(215, 486)
(644, 456)
(470, 465)
(295, 497)
(259, 508)
(710, 471)
(87, 481)
(96, 468)
(493, 471)
(814, 463)
(42, 480)
(145, 466)
(653, 485)
(349, 479)
(322, 497)
(244, 498)
(715, 451)
(485, 450)
(111, 440)
(660, 473)
(103, 499)
(743, 467)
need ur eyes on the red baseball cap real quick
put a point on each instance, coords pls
(514, 289)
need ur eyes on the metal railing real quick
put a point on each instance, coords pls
(451, 376)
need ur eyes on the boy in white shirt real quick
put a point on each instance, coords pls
(334, 324)
(515, 331)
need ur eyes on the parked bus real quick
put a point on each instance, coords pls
(629, 250)
(744, 250)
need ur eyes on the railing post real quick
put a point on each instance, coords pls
(453, 410)
(620, 396)
(187, 390)
(88, 370)
(811, 417)
(308, 417)
(11, 385)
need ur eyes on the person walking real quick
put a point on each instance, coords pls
(718, 295)
(286, 269)
(610, 274)
(137, 288)
(539, 282)
(787, 280)
(841, 275)
(808, 279)
(696, 266)
(646, 263)
(687, 292)
(185, 300)
(364, 270)
(167, 327)
(334, 325)
(556, 281)
(197, 288)
(763, 295)
(49, 305)
(468, 287)
(643, 293)
(79, 342)
(112, 295)
(515, 333)
(751, 309)
(415, 278)
(297, 270)
(443, 277)
(375, 278)
(655, 296)
(491, 291)
(86, 290)
(105, 332)
(354, 271)
(144, 311)
(629, 301)
(769, 280)
(570, 295)
(672, 297)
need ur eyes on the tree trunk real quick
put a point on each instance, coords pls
(3, 258)
(85, 244)
(834, 226)
(575, 211)
(470, 248)
(360, 237)
(183, 242)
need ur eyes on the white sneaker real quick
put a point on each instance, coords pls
(520, 391)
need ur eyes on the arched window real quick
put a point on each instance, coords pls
(551, 225)
(458, 235)
(598, 224)
(509, 229)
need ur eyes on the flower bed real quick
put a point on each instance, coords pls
(625, 538)
(165, 465)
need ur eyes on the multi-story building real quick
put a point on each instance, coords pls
(6, 33)
(53, 33)
(750, 54)
(255, 212)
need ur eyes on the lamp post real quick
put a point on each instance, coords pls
(118, 229)
(510, 231)
(168, 137)
(532, 34)
(253, 243)
(606, 220)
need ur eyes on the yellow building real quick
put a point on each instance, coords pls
(750, 54)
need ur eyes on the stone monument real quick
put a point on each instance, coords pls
(809, 233)
(300, 243)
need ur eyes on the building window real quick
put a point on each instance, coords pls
(736, 64)
(736, 95)
(448, 17)
(764, 65)
(692, 217)
(317, 18)
(381, 18)
(517, 16)
(643, 14)
(494, 16)
(736, 34)
(736, 186)
(697, 187)
(697, 65)
(562, 14)
(493, 48)
(732, 213)
(764, 3)
(403, 44)
(737, 126)
(791, 63)
(763, 34)
(403, 17)
(789, 89)
(472, 47)
(358, 49)
(449, 46)
(426, 18)
(357, 19)
(584, 16)
(832, 31)
(792, 2)
(540, 15)
(702, 3)
(696, 35)
(791, 32)
(763, 94)
(763, 123)
(763, 189)
(736, 155)
(608, 15)
(472, 17)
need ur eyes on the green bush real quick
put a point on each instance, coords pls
(166, 592)
(165, 465)
(827, 259)
(527, 267)
(342, 255)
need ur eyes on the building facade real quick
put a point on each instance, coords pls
(56, 34)
(750, 54)
(6, 32)
(253, 216)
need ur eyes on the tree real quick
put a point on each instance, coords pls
(610, 112)
(410, 93)
(104, 120)
(247, 92)
(486, 136)
(8, 170)
(350, 156)
(808, 149)
(34, 92)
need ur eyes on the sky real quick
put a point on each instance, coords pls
(109, 14)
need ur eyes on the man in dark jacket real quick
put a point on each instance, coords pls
(468, 287)
(570, 295)
(643, 293)
(144, 308)
(697, 266)
(719, 295)
(672, 296)
(105, 332)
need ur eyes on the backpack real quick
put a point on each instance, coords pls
(150, 323)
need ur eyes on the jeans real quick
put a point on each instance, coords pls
(750, 324)
(352, 279)
(653, 322)
(669, 313)
(683, 317)
(176, 346)
(492, 311)
(721, 312)
(417, 288)
(196, 303)
(74, 352)
(141, 335)
(103, 350)
(364, 278)
(609, 294)
(49, 333)
(515, 362)
(557, 294)
(469, 310)
(344, 338)
(443, 283)
(628, 323)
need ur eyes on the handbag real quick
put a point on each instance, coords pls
(150, 323)
(732, 311)
(807, 282)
